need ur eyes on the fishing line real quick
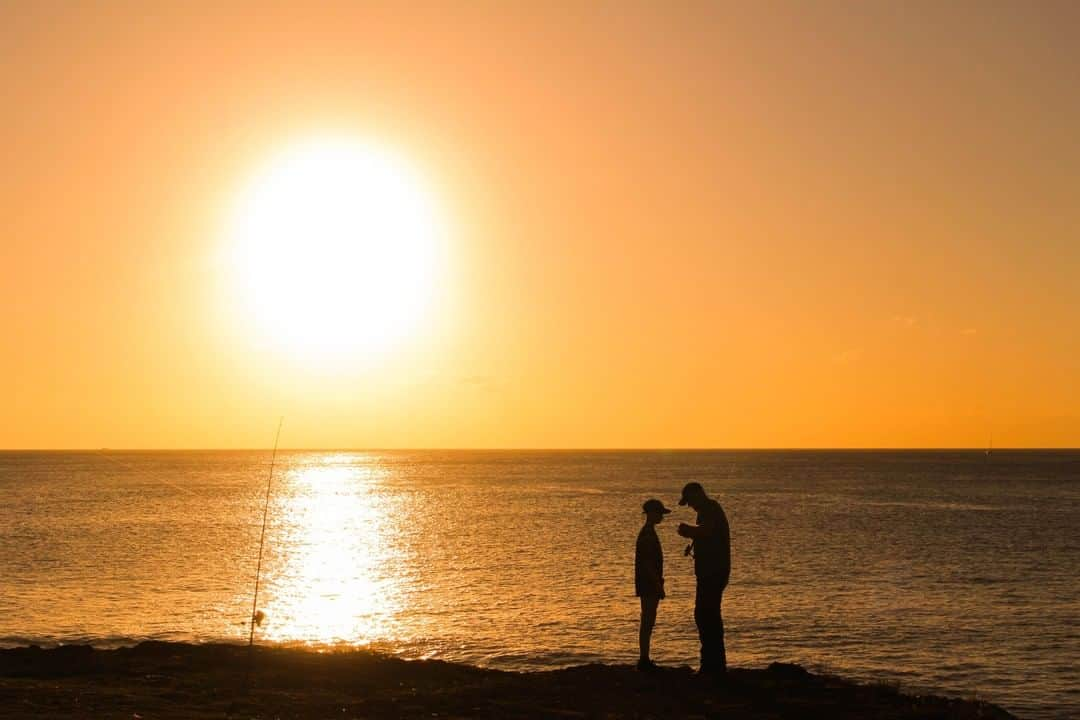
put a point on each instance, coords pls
(255, 619)
(102, 453)
(129, 466)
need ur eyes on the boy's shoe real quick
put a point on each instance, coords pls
(647, 666)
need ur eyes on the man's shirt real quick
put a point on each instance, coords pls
(712, 551)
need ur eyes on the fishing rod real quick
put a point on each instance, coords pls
(255, 614)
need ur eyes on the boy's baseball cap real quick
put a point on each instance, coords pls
(654, 505)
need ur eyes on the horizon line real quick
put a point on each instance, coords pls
(567, 449)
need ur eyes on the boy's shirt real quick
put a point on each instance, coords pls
(648, 564)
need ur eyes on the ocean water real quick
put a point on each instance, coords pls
(940, 571)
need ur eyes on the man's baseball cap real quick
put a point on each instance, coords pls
(689, 489)
(654, 505)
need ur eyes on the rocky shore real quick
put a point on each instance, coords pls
(172, 680)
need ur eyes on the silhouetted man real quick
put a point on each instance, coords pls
(712, 566)
(649, 577)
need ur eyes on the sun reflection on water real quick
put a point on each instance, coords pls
(328, 581)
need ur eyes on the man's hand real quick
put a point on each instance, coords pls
(685, 530)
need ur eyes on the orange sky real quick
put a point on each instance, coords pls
(816, 225)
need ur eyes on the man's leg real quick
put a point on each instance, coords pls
(721, 651)
(710, 624)
(702, 620)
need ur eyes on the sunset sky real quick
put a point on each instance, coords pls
(827, 224)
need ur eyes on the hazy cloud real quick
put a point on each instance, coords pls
(482, 382)
(906, 320)
(848, 357)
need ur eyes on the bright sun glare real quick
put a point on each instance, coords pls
(334, 249)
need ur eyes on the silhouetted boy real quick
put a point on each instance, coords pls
(649, 577)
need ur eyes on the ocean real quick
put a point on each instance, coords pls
(946, 572)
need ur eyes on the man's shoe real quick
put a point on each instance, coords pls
(647, 666)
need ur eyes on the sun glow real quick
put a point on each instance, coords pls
(331, 583)
(334, 249)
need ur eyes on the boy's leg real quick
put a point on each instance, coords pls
(648, 621)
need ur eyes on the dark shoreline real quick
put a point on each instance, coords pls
(178, 680)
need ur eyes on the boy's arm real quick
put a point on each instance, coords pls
(654, 576)
(646, 560)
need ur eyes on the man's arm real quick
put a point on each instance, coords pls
(706, 529)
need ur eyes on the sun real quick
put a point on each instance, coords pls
(333, 248)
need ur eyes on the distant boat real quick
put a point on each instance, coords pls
(990, 447)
